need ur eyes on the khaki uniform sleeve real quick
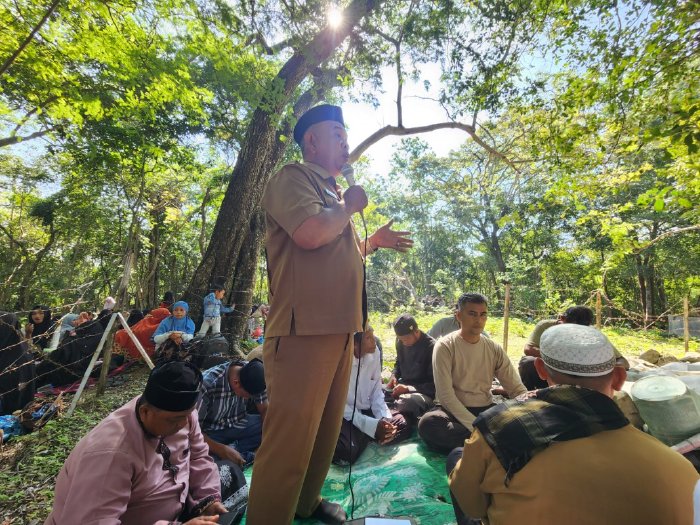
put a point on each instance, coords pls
(537, 332)
(467, 477)
(444, 390)
(290, 198)
(507, 374)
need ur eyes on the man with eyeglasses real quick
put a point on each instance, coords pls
(146, 462)
(464, 365)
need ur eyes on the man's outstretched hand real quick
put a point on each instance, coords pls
(385, 237)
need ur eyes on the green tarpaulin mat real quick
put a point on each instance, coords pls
(393, 480)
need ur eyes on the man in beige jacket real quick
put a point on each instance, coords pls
(464, 365)
(567, 454)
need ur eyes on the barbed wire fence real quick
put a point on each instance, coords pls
(54, 334)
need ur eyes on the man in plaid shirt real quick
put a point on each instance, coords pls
(230, 431)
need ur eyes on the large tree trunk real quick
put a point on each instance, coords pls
(241, 293)
(260, 153)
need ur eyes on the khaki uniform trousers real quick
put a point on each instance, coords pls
(307, 385)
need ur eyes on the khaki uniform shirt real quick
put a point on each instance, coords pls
(615, 477)
(464, 373)
(313, 292)
(539, 329)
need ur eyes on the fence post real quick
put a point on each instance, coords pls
(506, 315)
(686, 328)
(91, 365)
(598, 309)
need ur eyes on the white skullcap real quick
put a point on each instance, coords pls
(577, 350)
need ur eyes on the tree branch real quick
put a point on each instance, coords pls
(14, 139)
(14, 241)
(322, 45)
(665, 235)
(8, 62)
(400, 131)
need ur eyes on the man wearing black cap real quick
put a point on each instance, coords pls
(411, 383)
(315, 269)
(228, 429)
(146, 462)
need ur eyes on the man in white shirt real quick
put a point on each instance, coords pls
(372, 418)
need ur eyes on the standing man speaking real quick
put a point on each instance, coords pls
(315, 269)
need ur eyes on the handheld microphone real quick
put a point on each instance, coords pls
(348, 172)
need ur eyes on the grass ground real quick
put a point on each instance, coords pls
(29, 464)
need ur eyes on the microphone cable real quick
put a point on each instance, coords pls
(359, 362)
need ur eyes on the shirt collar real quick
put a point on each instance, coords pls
(320, 171)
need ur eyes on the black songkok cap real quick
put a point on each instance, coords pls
(252, 377)
(173, 386)
(405, 324)
(315, 115)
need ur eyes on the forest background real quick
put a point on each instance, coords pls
(136, 139)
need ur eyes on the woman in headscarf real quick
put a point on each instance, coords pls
(38, 330)
(68, 323)
(17, 370)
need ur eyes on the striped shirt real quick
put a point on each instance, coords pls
(220, 408)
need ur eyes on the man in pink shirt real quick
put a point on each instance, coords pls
(144, 464)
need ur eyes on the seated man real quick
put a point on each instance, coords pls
(566, 454)
(372, 418)
(229, 430)
(447, 325)
(146, 462)
(580, 315)
(464, 365)
(443, 326)
(412, 379)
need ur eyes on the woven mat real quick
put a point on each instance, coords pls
(399, 480)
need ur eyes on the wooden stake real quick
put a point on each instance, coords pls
(102, 383)
(133, 337)
(598, 309)
(88, 371)
(506, 316)
(686, 328)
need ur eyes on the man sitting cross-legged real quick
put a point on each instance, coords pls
(412, 379)
(464, 365)
(229, 430)
(567, 454)
(372, 419)
(144, 463)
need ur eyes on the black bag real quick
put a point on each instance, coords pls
(171, 351)
(203, 353)
(210, 351)
(234, 491)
